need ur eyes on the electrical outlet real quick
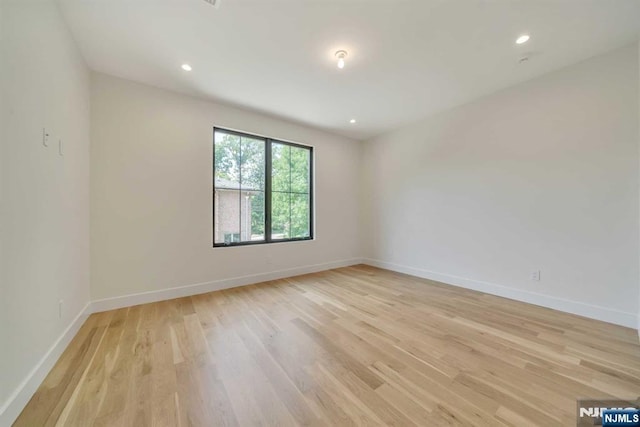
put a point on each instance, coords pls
(60, 303)
(535, 275)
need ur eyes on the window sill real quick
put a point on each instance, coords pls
(241, 244)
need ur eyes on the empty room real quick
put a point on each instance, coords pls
(319, 212)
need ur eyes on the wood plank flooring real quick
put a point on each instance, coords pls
(352, 346)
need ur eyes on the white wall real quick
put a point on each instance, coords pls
(151, 193)
(44, 197)
(543, 176)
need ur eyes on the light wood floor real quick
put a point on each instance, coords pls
(356, 345)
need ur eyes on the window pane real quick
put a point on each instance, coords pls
(300, 166)
(280, 167)
(291, 167)
(252, 163)
(252, 216)
(239, 188)
(280, 215)
(227, 156)
(252, 154)
(227, 215)
(300, 216)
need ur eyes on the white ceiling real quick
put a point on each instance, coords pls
(407, 58)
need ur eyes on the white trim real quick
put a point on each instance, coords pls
(16, 402)
(215, 285)
(605, 314)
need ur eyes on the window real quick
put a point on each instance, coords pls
(231, 238)
(262, 190)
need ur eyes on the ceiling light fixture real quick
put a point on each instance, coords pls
(352, 121)
(341, 55)
(522, 39)
(186, 67)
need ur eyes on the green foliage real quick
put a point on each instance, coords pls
(242, 160)
(290, 183)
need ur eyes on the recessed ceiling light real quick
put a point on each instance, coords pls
(341, 55)
(352, 121)
(186, 67)
(522, 39)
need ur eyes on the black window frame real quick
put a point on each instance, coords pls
(267, 189)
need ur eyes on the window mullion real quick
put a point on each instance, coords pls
(239, 192)
(290, 223)
(310, 189)
(267, 191)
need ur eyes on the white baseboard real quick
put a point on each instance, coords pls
(14, 404)
(216, 285)
(605, 314)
